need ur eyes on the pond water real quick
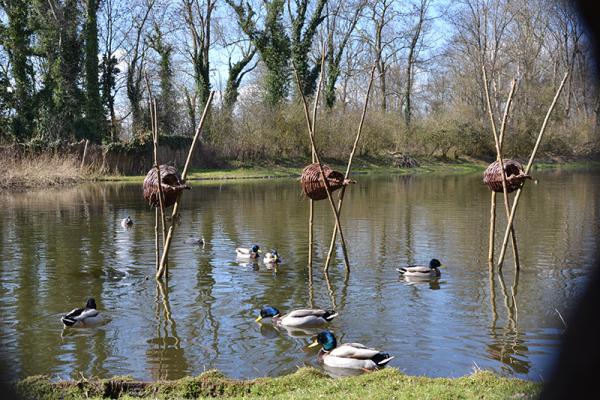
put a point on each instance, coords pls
(59, 247)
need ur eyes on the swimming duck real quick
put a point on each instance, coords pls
(82, 316)
(297, 318)
(196, 241)
(348, 355)
(243, 252)
(271, 257)
(431, 271)
(127, 222)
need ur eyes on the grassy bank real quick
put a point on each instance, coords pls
(306, 383)
(52, 170)
(294, 171)
(361, 167)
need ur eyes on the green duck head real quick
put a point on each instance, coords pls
(267, 312)
(325, 339)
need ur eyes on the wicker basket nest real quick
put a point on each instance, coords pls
(312, 184)
(172, 185)
(515, 176)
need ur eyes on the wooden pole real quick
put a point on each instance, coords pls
(492, 229)
(151, 104)
(506, 199)
(316, 153)
(310, 232)
(529, 164)
(154, 127)
(161, 195)
(156, 249)
(167, 245)
(354, 146)
(311, 201)
(84, 154)
(499, 155)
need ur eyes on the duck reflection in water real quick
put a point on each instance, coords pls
(271, 331)
(434, 283)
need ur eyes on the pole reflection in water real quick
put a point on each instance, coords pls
(330, 289)
(311, 289)
(507, 344)
(165, 353)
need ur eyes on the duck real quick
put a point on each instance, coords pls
(87, 315)
(271, 257)
(348, 355)
(431, 271)
(297, 318)
(196, 241)
(126, 222)
(244, 252)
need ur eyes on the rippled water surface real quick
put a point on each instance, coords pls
(59, 247)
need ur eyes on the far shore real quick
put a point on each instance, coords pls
(56, 172)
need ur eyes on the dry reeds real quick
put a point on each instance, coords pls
(42, 170)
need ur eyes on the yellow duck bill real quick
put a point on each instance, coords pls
(258, 319)
(315, 343)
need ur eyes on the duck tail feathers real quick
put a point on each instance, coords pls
(382, 359)
(330, 314)
(68, 321)
(401, 270)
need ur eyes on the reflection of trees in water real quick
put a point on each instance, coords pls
(165, 355)
(507, 344)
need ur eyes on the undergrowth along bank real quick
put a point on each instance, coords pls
(306, 383)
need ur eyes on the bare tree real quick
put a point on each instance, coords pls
(198, 17)
(341, 22)
(416, 35)
(382, 39)
(567, 30)
(136, 57)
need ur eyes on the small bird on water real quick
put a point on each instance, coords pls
(127, 222)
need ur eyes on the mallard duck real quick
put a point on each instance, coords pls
(348, 355)
(297, 318)
(271, 257)
(423, 271)
(243, 252)
(126, 222)
(82, 316)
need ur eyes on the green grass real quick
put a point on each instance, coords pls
(306, 383)
(294, 170)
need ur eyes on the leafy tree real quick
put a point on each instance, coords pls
(167, 95)
(272, 43)
(198, 19)
(94, 112)
(59, 45)
(301, 42)
(16, 38)
(236, 74)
